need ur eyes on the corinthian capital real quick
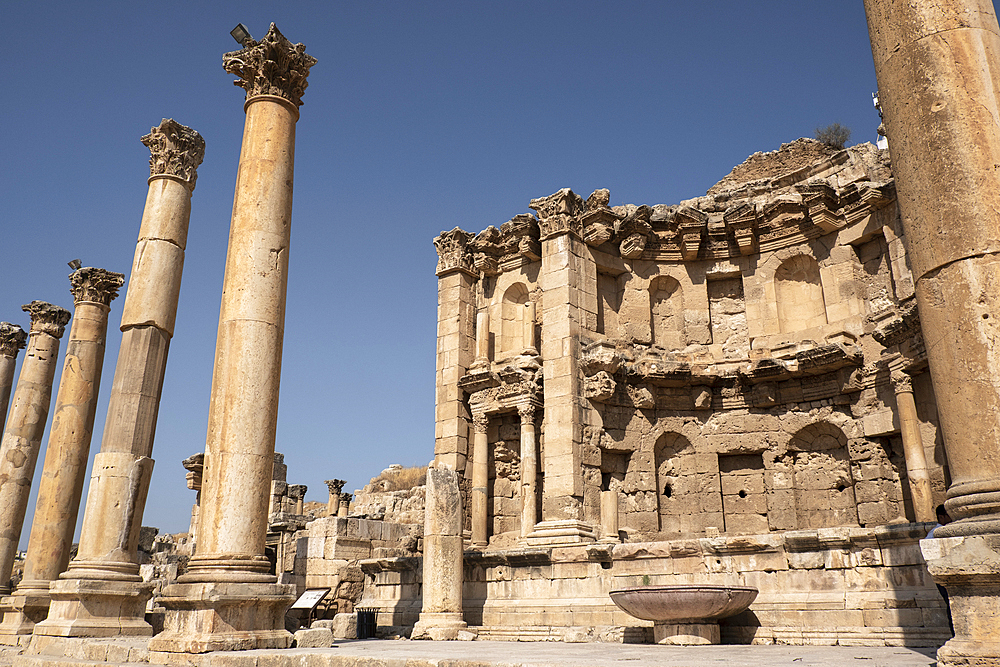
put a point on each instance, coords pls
(272, 66)
(335, 486)
(12, 339)
(46, 318)
(97, 285)
(176, 150)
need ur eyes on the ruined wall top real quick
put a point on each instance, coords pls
(773, 200)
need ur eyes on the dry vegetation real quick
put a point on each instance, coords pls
(399, 479)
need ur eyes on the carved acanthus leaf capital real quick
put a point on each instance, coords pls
(346, 498)
(12, 339)
(95, 285)
(47, 318)
(480, 422)
(335, 486)
(558, 213)
(272, 66)
(297, 491)
(175, 150)
(527, 413)
(453, 252)
(902, 382)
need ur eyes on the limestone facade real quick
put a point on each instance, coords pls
(736, 379)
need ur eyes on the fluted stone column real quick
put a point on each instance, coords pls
(22, 435)
(344, 508)
(12, 340)
(441, 610)
(936, 62)
(335, 487)
(66, 455)
(529, 470)
(917, 473)
(102, 594)
(480, 479)
(228, 599)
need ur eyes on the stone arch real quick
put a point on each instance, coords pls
(666, 312)
(820, 472)
(688, 488)
(512, 317)
(798, 291)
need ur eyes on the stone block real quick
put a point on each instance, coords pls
(345, 626)
(313, 638)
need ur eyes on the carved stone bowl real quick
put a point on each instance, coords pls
(685, 614)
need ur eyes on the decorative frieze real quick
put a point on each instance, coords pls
(271, 66)
(175, 150)
(95, 285)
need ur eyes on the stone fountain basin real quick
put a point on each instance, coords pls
(692, 603)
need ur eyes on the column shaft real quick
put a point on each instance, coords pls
(529, 472)
(101, 593)
(22, 435)
(480, 480)
(913, 451)
(609, 516)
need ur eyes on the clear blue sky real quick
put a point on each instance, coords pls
(419, 117)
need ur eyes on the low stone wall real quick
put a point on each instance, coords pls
(846, 586)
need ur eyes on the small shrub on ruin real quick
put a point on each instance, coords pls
(834, 136)
(402, 479)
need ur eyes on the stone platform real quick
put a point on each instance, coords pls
(388, 653)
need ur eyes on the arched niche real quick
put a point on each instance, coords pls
(688, 488)
(512, 318)
(666, 312)
(823, 486)
(798, 291)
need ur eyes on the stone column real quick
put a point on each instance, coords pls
(480, 479)
(297, 492)
(68, 449)
(913, 448)
(936, 63)
(568, 271)
(455, 346)
(22, 435)
(482, 338)
(609, 516)
(335, 487)
(344, 508)
(530, 342)
(441, 611)
(195, 466)
(529, 470)
(12, 339)
(102, 594)
(228, 599)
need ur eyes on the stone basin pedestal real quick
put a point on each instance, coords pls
(684, 614)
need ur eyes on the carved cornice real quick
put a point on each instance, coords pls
(95, 285)
(195, 465)
(336, 486)
(12, 339)
(634, 231)
(175, 150)
(272, 66)
(47, 318)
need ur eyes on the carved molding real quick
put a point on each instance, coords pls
(12, 339)
(175, 150)
(272, 66)
(195, 465)
(47, 318)
(95, 285)
(336, 486)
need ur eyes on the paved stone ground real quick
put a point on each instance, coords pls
(387, 653)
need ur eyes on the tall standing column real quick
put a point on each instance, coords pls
(441, 610)
(529, 469)
(102, 594)
(936, 62)
(228, 600)
(917, 473)
(480, 479)
(335, 487)
(61, 486)
(12, 340)
(22, 435)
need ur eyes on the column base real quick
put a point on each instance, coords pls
(21, 611)
(969, 569)
(560, 533)
(439, 626)
(223, 616)
(686, 634)
(97, 608)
